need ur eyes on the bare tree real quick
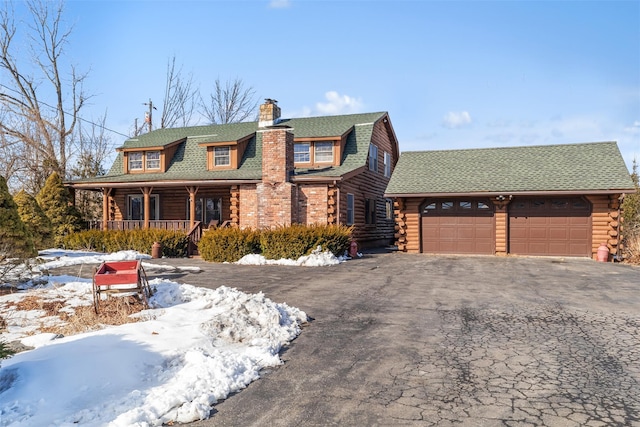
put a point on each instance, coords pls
(231, 102)
(41, 104)
(94, 148)
(180, 97)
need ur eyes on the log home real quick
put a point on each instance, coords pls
(315, 170)
(560, 200)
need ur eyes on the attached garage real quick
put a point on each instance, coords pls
(464, 226)
(550, 226)
(551, 200)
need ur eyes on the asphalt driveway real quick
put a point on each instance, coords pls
(418, 340)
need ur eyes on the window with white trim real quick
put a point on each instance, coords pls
(152, 159)
(373, 157)
(323, 152)
(135, 160)
(302, 152)
(387, 164)
(350, 209)
(222, 156)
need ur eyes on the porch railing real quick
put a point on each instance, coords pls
(194, 233)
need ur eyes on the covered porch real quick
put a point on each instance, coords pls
(188, 207)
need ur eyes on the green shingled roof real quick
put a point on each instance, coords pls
(189, 161)
(570, 167)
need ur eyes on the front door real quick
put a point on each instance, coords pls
(135, 207)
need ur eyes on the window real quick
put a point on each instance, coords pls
(387, 165)
(153, 159)
(388, 205)
(350, 209)
(221, 156)
(302, 152)
(135, 207)
(207, 209)
(370, 211)
(373, 158)
(135, 161)
(465, 205)
(323, 152)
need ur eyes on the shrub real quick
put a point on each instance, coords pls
(15, 239)
(298, 240)
(228, 244)
(631, 220)
(35, 219)
(56, 202)
(175, 244)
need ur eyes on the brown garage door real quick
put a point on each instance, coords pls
(550, 226)
(464, 226)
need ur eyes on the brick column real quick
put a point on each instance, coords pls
(275, 194)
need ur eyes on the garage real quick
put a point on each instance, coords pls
(550, 226)
(458, 226)
(557, 200)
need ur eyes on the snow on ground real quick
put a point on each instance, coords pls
(194, 347)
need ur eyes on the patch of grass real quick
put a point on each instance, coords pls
(113, 311)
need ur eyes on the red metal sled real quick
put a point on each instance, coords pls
(120, 277)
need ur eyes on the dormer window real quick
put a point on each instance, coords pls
(144, 161)
(222, 156)
(153, 159)
(302, 152)
(315, 153)
(323, 152)
(135, 161)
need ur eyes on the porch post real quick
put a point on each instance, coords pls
(146, 191)
(192, 205)
(106, 193)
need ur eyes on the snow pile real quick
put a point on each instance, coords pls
(317, 258)
(56, 258)
(198, 346)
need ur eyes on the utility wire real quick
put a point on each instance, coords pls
(69, 114)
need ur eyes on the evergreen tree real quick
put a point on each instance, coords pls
(15, 240)
(35, 219)
(57, 204)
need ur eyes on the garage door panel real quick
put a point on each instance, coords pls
(538, 226)
(462, 228)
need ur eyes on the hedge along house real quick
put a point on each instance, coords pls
(560, 200)
(316, 170)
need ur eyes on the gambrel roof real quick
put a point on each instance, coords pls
(189, 163)
(568, 168)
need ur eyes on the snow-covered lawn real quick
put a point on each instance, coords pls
(193, 347)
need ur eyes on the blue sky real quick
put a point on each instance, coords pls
(451, 74)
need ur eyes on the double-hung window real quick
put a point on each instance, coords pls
(373, 158)
(135, 160)
(302, 152)
(350, 209)
(323, 152)
(387, 165)
(221, 156)
(153, 159)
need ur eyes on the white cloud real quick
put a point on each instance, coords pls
(279, 4)
(456, 120)
(634, 128)
(338, 104)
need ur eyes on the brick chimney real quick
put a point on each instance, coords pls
(276, 194)
(269, 113)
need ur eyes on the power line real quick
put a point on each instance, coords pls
(69, 114)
